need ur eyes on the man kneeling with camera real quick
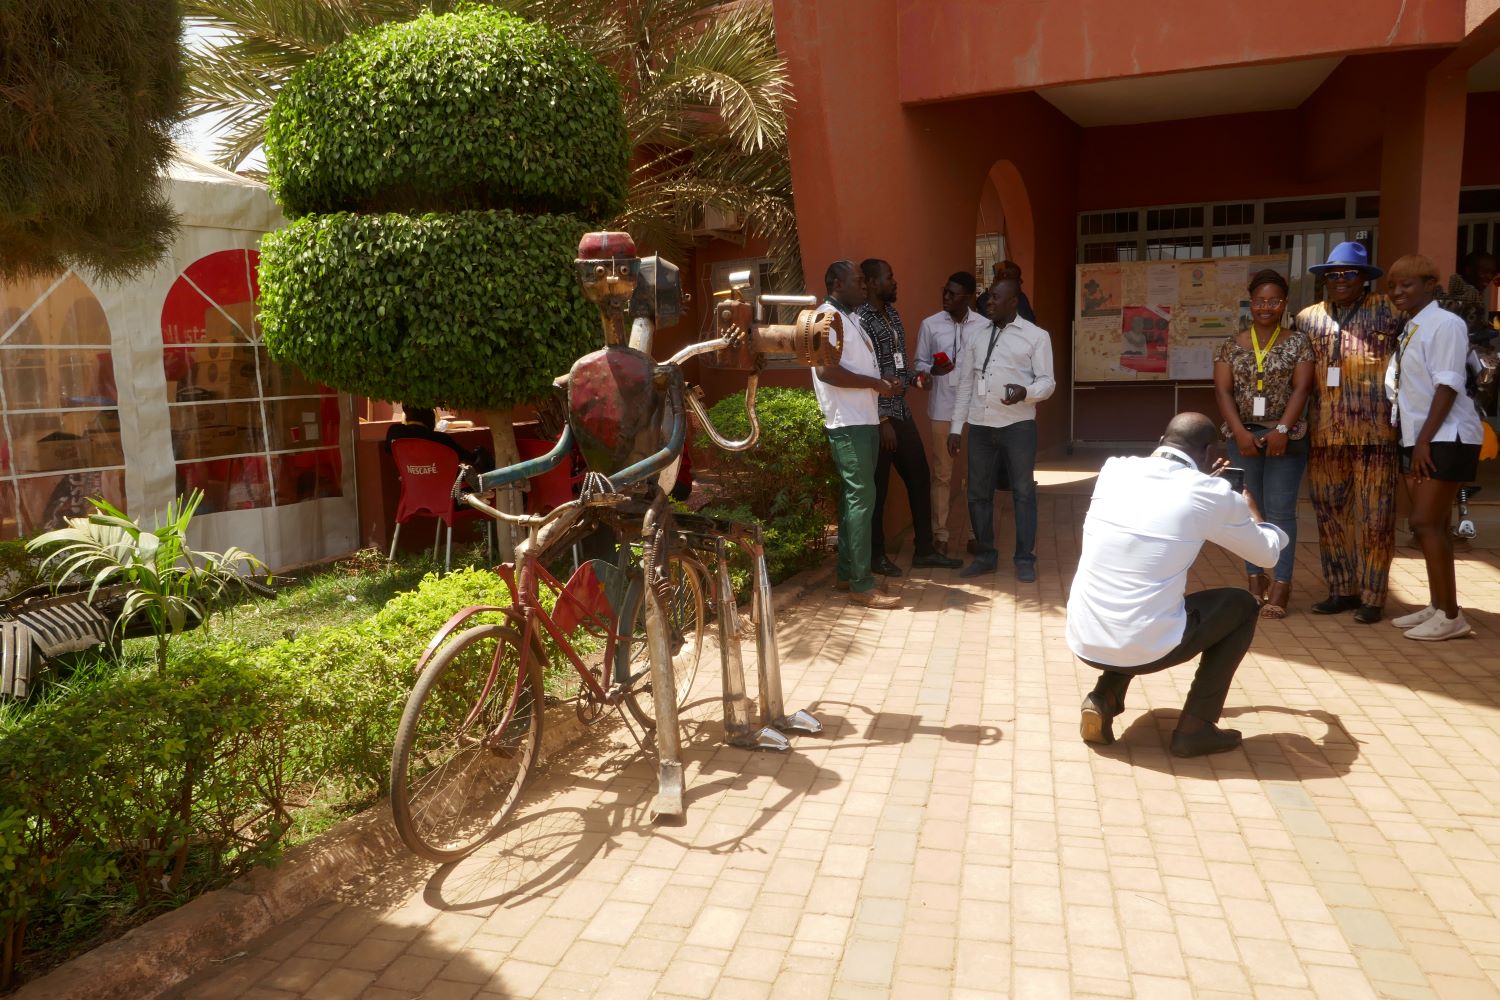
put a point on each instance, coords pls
(1127, 614)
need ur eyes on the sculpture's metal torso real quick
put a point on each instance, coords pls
(615, 408)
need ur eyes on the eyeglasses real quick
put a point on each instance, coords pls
(1349, 275)
(1266, 303)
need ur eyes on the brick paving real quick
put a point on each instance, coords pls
(949, 835)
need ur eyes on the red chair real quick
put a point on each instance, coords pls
(551, 489)
(428, 470)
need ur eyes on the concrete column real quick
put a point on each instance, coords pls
(1421, 165)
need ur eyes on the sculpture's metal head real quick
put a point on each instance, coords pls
(609, 272)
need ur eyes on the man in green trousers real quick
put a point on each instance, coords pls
(848, 394)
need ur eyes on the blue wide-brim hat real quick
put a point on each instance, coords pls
(1347, 255)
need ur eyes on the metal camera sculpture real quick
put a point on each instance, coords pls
(628, 415)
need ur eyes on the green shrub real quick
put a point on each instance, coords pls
(473, 110)
(19, 569)
(786, 481)
(475, 309)
(131, 788)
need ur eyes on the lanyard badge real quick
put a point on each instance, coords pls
(1261, 353)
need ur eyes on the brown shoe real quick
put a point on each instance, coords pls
(841, 585)
(875, 599)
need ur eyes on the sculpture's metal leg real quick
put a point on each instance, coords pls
(668, 801)
(773, 711)
(738, 728)
(669, 784)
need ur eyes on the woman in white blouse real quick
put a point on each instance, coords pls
(1440, 434)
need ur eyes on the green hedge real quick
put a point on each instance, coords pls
(786, 480)
(127, 790)
(472, 309)
(473, 110)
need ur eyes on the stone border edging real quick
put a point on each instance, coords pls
(150, 959)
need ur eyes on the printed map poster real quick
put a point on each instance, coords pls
(1099, 294)
(1145, 333)
(1198, 283)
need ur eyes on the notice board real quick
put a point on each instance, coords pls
(1160, 320)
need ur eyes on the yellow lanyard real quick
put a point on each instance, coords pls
(1260, 355)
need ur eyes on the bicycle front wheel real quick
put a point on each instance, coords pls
(686, 607)
(471, 732)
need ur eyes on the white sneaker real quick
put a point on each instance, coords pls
(1415, 618)
(1440, 627)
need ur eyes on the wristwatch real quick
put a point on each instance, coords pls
(1283, 429)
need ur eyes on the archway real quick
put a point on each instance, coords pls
(1003, 227)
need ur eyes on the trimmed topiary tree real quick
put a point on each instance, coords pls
(91, 91)
(511, 141)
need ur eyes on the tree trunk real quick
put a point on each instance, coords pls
(503, 439)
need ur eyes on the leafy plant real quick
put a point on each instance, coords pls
(471, 309)
(170, 584)
(786, 481)
(703, 86)
(92, 91)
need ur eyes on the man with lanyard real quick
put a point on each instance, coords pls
(939, 342)
(1351, 467)
(900, 441)
(1001, 378)
(847, 394)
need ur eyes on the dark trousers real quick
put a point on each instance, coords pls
(910, 462)
(1013, 449)
(1220, 625)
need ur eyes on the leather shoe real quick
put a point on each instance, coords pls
(874, 599)
(885, 567)
(1026, 573)
(935, 560)
(1096, 723)
(1335, 604)
(1209, 739)
(976, 568)
(1368, 614)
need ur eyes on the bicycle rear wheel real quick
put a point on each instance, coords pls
(470, 734)
(686, 621)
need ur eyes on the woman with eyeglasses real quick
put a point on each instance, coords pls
(1351, 467)
(1262, 379)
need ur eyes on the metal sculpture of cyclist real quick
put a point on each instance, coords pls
(628, 415)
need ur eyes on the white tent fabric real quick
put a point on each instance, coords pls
(268, 514)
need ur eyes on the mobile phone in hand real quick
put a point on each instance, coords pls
(1235, 477)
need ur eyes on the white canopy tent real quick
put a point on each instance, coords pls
(143, 390)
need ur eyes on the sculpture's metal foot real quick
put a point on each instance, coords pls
(799, 722)
(668, 801)
(760, 739)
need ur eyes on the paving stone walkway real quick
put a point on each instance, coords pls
(949, 835)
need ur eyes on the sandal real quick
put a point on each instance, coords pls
(1276, 601)
(1257, 587)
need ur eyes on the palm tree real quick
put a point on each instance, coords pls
(705, 95)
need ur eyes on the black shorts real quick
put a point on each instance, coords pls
(1455, 461)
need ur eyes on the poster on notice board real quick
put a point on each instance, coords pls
(1160, 320)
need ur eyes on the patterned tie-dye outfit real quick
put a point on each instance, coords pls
(1351, 471)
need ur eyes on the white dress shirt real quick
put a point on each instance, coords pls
(941, 333)
(1146, 523)
(1022, 356)
(1433, 351)
(849, 407)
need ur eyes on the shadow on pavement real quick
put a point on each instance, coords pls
(1265, 756)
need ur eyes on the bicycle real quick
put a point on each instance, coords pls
(472, 728)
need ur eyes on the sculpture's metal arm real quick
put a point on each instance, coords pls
(713, 433)
(532, 467)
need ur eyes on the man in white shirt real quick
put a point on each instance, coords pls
(1001, 378)
(943, 333)
(1126, 612)
(848, 394)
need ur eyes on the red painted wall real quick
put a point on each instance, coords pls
(951, 49)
